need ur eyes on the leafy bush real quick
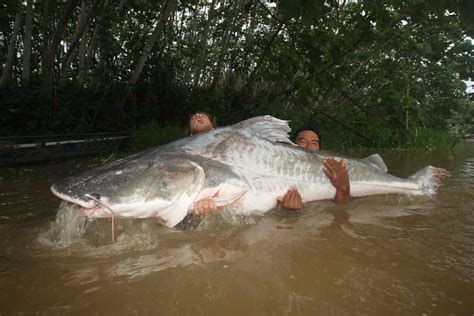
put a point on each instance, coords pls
(154, 134)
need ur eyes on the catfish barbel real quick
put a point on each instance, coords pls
(243, 167)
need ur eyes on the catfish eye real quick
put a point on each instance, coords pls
(95, 195)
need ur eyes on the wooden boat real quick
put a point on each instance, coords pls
(33, 149)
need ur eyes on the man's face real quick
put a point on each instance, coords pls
(200, 123)
(307, 139)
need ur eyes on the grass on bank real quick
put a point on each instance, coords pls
(154, 134)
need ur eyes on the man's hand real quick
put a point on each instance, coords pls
(291, 200)
(339, 177)
(205, 206)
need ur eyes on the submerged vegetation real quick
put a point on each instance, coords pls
(370, 73)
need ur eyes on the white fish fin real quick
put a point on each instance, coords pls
(223, 195)
(429, 178)
(176, 212)
(268, 127)
(377, 161)
(208, 193)
(229, 199)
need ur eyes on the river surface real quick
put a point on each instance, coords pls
(378, 255)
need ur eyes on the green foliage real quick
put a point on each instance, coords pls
(154, 134)
(430, 139)
(28, 110)
(370, 73)
(4, 173)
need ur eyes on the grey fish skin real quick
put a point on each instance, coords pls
(243, 167)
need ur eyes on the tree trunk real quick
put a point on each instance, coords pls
(82, 55)
(89, 53)
(222, 53)
(101, 24)
(167, 10)
(48, 62)
(80, 28)
(249, 37)
(262, 57)
(202, 47)
(231, 26)
(46, 29)
(120, 9)
(7, 71)
(189, 37)
(27, 41)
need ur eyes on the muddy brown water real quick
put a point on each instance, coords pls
(379, 255)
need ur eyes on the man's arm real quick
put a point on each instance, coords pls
(339, 177)
(336, 172)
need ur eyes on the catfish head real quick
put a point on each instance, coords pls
(136, 188)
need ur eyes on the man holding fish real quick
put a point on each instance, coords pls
(306, 137)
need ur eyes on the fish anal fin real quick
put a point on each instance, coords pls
(207, 193)
(223, 195)
(229, 199)
(377, 161)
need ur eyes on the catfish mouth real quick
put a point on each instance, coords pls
(87, 203)
(91, 203)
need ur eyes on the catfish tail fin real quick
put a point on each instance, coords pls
(429, 178)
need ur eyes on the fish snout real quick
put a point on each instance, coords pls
(85, 201)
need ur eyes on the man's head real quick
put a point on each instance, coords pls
(308, 137)
(200, 122)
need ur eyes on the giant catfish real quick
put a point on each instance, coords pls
(243, 167)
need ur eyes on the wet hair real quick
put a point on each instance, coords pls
(309, 127)
(210, 116)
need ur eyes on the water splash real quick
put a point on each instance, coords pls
(73, 233)
(68, 228)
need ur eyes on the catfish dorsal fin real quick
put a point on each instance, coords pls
(377, 161)
(267, 127)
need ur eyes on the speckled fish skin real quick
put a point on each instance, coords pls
(253, 159)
